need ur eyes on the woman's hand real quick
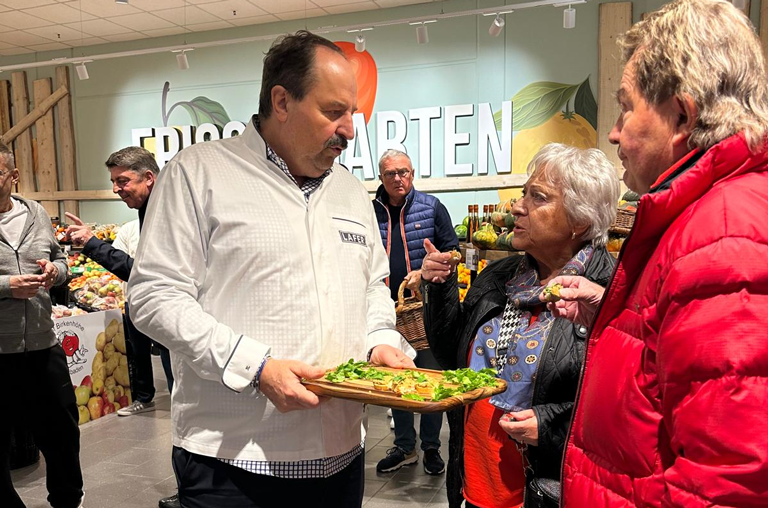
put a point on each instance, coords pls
(436, 266)
(522, 426)
(579, 299)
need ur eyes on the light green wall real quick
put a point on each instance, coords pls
(462, 64)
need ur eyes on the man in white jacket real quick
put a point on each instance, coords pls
(263, 265)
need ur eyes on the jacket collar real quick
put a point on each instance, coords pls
(726, 160)
(383, 198)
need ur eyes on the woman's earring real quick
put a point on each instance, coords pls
(573, 235)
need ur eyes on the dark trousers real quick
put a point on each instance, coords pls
(206, 482)
(139, 352)
(38, 394)
(429, 428)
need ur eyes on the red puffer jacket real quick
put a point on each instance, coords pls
(673, 409)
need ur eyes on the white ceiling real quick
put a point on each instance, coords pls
(28, 26)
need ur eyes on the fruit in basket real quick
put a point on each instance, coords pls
(119, 342)
(112, 364)
(95, 405)
(101, 341)
(83, 415)
(107, 409)
(109, 351)
(82, 394)
(461, 231)
(121, 375)
(98, 386)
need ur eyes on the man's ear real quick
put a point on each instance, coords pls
(151, 178)
(280, 99)
(687, 114)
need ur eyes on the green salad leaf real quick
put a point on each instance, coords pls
(412, 396)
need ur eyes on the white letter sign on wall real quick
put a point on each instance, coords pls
(383, 141)
(207, 132)
(486, 132)
(425, 116)
(167, 145)
(454, 139)
(360, 141)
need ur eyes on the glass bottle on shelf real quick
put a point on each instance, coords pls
(470, 223)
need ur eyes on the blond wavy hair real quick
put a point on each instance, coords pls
(708, 50)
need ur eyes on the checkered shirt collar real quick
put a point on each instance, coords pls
(310, 185)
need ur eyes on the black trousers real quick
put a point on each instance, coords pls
(206, 482)
(139, 352)
(37, 393)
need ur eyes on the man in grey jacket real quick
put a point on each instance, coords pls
(37, 389)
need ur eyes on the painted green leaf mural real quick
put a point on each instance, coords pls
(584, 103)
(536, 103)
(204, 110)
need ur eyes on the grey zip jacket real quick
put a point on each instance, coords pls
(26, 324)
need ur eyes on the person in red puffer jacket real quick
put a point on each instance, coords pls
(673, 403)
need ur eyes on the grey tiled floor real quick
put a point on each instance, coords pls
(126, 464)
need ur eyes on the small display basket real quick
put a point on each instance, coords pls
(623, 223)
(410, 319)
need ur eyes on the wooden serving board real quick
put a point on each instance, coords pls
(363, 391)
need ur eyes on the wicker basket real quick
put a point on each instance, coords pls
(410, 320)
(623, 223)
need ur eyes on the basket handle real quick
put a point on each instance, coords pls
(401, 296)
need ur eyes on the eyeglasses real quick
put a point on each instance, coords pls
(390, 175)
(4, 172)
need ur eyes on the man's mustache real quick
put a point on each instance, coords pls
(336, 140)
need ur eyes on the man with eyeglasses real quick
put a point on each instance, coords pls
(31, 361)
(406, 218)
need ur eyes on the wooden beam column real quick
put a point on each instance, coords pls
(23, 142)
(66, 138)
(5, 105)
(47, 174)
(615, 19)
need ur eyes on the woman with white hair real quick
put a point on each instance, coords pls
(562, 225)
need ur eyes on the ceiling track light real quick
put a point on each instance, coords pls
(422, 33)
(121, 2)
(569, 17)
(496, 27)
(181, 58)
(360, 43)
(82, 71)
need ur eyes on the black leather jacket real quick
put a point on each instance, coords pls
(451, 326)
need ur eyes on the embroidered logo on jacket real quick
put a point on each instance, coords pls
(348, 237)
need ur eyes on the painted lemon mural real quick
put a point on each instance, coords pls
(546, 112)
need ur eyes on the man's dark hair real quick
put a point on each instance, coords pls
(289, 63)
(7, 155)
(134, 158)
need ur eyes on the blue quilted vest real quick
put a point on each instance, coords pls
(417, 221)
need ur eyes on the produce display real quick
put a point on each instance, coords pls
(412, 384)
(60, 311)
(107, 389)
(106, 232)
(99, 292)
(60, 231)
(81, 264)
(463, 274)
(492, 230)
